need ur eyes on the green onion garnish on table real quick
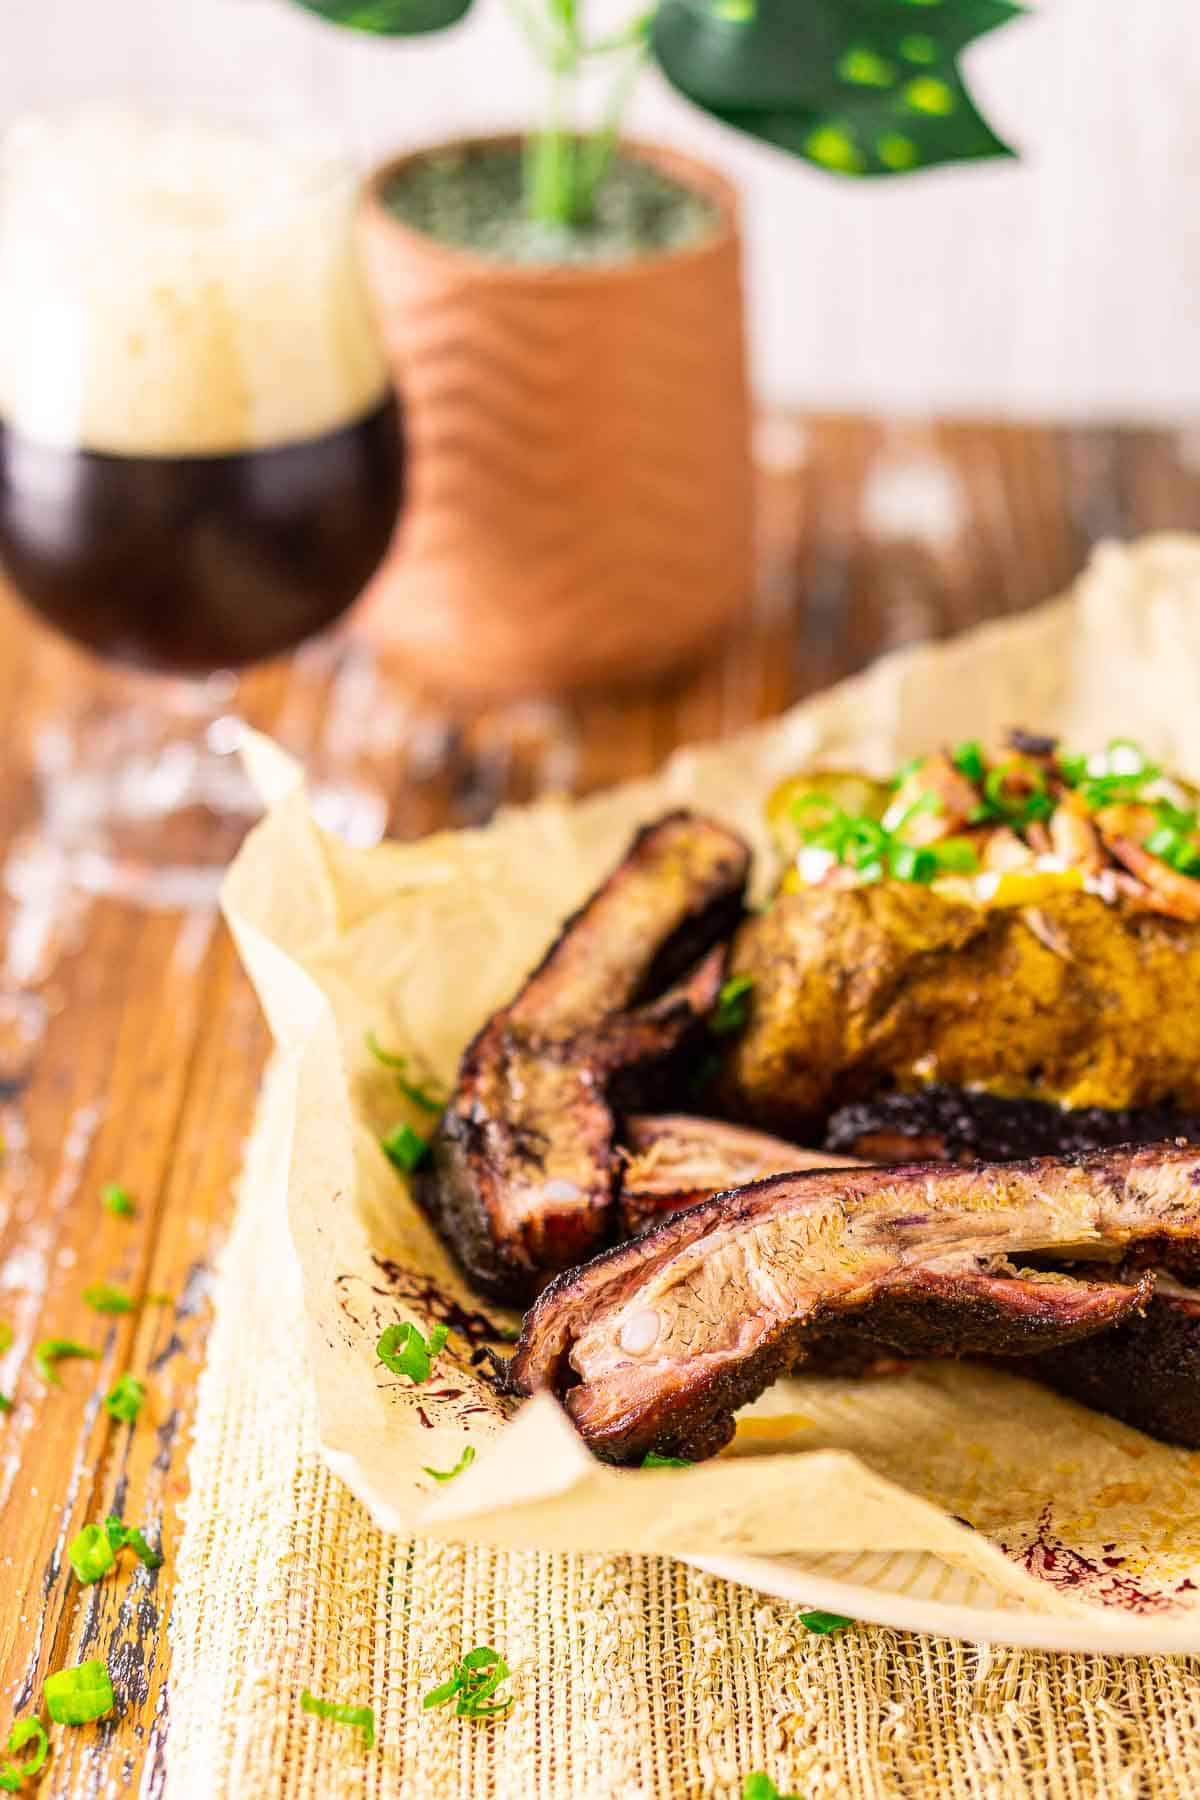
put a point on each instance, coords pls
(362, 1716)
(122, 1536)
(116, 1200)
(472, 1685)
(90, 1554)
(55, 1350)
(404, 1351)
(464, 1462)
(24, 1731)
(78, 1695)
(758, 1786)
(102, 1297)
(94, 1551)
(124, 1399)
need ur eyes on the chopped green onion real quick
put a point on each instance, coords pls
(405, 1148)
(91, 1554)
(95, 1550)
(1165, 843)
(464, 1462)
(875, 850)
(652, 1460)
(908, 863)
(6, 1337)
(102, 1297)
(1017, 810)
(404, 1351)
(362, 1716)
(120, 1536)
(148, 1557)
(906, 769)
(56, 1350)
(430, 1098)
(926, 802)
(955, 856)
(731, 1011)
(824, 1622)
(124, 1399)
(77, 1696)
(758, 1786)
(1109, 786)
(472, 1684)
(967, 758)
(6, 1404)
(1174, 839)
(24, 1731)
(1177, 818)
(116, 1200)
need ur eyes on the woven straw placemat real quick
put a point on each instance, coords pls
(635, 1678)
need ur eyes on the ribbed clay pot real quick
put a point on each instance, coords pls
(579, 508)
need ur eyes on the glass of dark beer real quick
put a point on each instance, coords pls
(200, 452)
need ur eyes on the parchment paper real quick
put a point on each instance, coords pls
(949, 1487)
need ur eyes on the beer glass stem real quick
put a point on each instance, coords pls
(144, 797)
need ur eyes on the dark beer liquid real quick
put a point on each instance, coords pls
(195, 563)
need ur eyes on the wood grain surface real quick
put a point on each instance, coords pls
(130, 1043)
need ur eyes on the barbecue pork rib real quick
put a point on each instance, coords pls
(672, 1160)
(1145, 1371)
(524, 1169)
(654, 1344)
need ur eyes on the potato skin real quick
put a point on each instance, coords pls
(1072, 999)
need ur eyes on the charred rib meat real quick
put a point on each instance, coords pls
(967, 1125)
(1145, 1372)
(653, 1345)
(524, 1168)
(675, 1159)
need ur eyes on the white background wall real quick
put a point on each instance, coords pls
(1063, 284)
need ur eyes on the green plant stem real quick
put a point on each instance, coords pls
(596, 153)
(549, 177)
(564, 170)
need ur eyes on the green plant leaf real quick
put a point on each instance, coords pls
(858, 87)
(389, 18)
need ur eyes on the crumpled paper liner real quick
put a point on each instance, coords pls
(952, 1496)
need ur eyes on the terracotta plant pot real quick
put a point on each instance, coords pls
(579, 508)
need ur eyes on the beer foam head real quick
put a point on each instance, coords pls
(178, 287)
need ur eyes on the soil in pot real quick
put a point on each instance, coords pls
(474, 198)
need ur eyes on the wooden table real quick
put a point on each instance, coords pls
(130, 1043)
